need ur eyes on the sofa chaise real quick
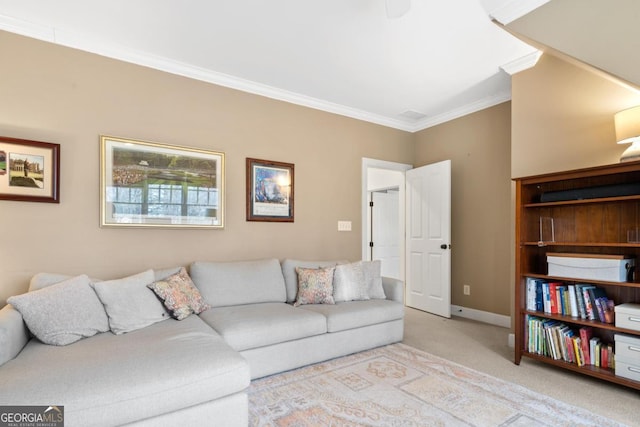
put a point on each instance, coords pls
(146, 368)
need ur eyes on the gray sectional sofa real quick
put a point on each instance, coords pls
(194, 371)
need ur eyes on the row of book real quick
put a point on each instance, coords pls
(556, 340)
(575, 300)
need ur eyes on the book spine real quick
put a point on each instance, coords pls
(573, 302)
(586, 333)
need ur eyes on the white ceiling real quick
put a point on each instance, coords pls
(441, 60)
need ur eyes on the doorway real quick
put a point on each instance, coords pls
(384, 240)
(385, 181)
(423, 220)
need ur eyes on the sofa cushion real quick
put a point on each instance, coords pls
(63, 313)
(315, 286)
(179, 295)
(117, 379)
(241, 282)
(355, 314)
(257, 325)
(291, 277)
(349, 283)
(13, 333)
(163, 273)
(130, 305)
(373, 279)
(42, 280)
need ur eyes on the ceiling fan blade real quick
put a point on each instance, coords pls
(397, 8)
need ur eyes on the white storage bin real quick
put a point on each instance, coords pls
(627, 349)
(628, 370)
(628, 316)
(610, 268)
(627, 356)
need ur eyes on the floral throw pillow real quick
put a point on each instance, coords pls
(315, 286)
(180, 295)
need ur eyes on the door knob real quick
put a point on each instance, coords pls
(444, 246)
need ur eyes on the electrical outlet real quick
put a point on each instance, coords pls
(466, 289)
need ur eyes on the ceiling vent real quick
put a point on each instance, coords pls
(412, 115)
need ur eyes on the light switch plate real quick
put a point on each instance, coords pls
(344, 225)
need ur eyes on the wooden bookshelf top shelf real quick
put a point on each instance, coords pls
(585, 244)
(583, 201)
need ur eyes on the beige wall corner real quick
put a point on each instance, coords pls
(562, 117)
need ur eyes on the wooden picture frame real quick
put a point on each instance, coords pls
(270, 190)
(29, 170)
(147, 184)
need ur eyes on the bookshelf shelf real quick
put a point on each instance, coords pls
(595, 282)
(584, 244)
(583, 201)
(595, 226)
(582, 322)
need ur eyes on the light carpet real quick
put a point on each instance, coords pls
(398, 385)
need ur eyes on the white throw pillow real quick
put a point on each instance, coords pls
(349, 283)
(62, 313)
(130, 305)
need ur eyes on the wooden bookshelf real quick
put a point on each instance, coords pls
(596, 225)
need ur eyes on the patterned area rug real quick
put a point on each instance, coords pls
(398, 385)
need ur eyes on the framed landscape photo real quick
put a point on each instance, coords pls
(269, 191)
(29, 170)
(146, 184)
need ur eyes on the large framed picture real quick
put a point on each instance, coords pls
(146, 184)
(29, 170)
(269, 191)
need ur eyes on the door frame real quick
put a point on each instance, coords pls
(367, 164)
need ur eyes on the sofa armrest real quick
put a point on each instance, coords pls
(393, 289)
(13, 333)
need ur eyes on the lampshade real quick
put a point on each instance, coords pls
(628, 131)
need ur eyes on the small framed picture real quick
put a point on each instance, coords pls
(146, 184)
(269, 191)
(29, 170)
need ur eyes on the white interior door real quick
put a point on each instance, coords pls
(428, 239)
(385, 232)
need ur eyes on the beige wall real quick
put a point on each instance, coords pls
(479, 148)
(54, 94)
(562, 117)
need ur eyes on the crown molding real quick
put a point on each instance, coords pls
(511, 10)
(522, 63)
(470, 108)
(28, 29)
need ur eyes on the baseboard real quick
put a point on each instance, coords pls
(481, 316)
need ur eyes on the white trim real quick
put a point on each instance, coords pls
(522, 63)
(28, 29)
(514, 9)
(473, 107)
(481, 316)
